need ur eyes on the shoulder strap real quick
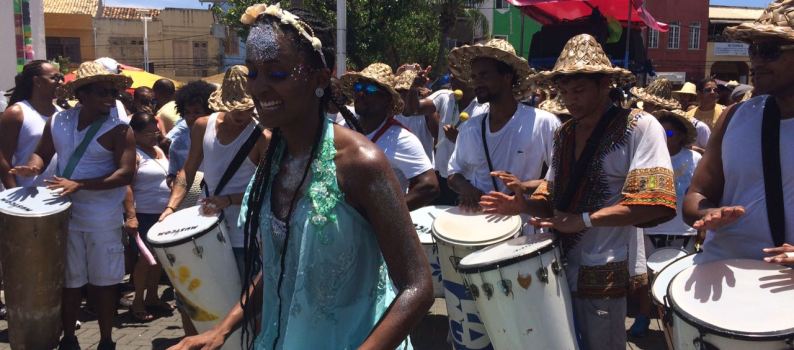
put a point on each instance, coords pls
(238, 159)
(773, 182)
(488, 152)
(82, 147)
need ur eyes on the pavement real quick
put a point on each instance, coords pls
(166, 330)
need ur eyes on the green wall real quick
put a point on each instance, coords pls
(509, 24)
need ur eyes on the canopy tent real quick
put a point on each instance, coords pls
(139, 77)
(554, 11)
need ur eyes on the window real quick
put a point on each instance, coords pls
(694, 36)
(231, 44)
(674, 35)
(653, 39)
(200, 54)
(500, 4)
(66, 47)
(131, 48)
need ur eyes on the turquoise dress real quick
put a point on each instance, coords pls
(336, 286)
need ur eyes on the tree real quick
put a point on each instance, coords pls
(449, 13)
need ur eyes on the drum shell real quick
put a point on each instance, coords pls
(538, 316)
(685, 336)
(431, 250)
(33, 251)
(206, 260)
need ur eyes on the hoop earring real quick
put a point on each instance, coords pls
(319, 92)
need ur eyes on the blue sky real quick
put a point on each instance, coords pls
(749, 3)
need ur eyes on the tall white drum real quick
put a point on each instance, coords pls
(423, 224)
(733, 304)
(521, 293)
(458, 234)
(662, 257)
(198, 258)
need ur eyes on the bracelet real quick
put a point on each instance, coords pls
(172, 208)
(586, 219)
(130, 218)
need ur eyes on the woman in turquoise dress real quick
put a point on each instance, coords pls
(325, 219)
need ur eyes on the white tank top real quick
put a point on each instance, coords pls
(217, 158)
(30, 133)
(92, 210)
(149, 188)
(744, 185)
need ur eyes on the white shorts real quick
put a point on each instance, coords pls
(94, 257)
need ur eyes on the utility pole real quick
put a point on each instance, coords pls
(146, 18)
(341, 37)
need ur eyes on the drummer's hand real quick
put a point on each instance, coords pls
(24, 170)
(208, 340)
(451, 132)
(470, 200)
(562, 222)
(131, 226)
(783, 255)
(719, 217)
(500, 203)
(66, 186)
(510, 180)
(213, 205)
(166, 212)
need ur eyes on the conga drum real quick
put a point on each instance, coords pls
(733, 304)
(661, 280)
(197, 256)
(521, 293)
(34, 223)
(423, 224)
(458, 234)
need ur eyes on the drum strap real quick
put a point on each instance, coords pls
(488, 152)
(82, 147)
(773, 182)
(238, 159)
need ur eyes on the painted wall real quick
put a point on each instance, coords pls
(73, 26)
(507, 22)
(683, 59)
(8, 56)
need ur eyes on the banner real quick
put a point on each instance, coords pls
(23, 34)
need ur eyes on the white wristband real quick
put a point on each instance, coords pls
(586, 219)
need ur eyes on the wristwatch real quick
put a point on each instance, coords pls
(586, 220)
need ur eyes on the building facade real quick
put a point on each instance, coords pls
(70, 30)
(726, 59)
(680, 53)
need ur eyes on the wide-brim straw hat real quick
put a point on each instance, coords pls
(687, 89)
(582, 54)
(460, 59)
(92, 72)
(659, 92)
(232, 95)
(405, 80)
(554, 106)
(379, 74)
(691, 132)
(777, 22)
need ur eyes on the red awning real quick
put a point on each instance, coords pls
(552, 11)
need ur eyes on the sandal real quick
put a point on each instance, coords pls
(141, 315)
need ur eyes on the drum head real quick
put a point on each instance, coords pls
(507, 253)
(32, 202)
(663, 257)
(423, 221)
(457, 227)
(665, 276)
(181, 226)
(736, 297)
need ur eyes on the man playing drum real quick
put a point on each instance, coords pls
(96, 162)
(610, 172)
(498, 150)
(743, 189)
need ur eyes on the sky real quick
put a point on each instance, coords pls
(197, 4)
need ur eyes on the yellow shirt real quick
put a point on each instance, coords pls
(708, 117)
(168, 116)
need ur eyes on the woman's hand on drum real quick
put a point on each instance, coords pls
(213, 205)
(500, 203)
(783, 255)
(168, 211)
(65, 186)
(24, 170)
(208, 340)
(719, 217)
(562, 222)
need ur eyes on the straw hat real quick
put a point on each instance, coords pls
(554, 106)
(687, 89)
(232, 95)
(691, 132)
(379, 74)
(583, 54)
(91, 72)
(659, 92)
(460, 62)
(405, 80)
(775, 23)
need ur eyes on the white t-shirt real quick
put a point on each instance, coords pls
(704, 132)
(684, 164)
(404, 152)
(417, 125)
(521, 147)
(447, 108)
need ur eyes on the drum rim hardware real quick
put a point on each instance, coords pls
(496, 265)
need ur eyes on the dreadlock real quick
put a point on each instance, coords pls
(23, 89)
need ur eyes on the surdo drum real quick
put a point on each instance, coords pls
(34, 223)
(459, 234)
(423, 223)
(198, 258)
(662, 257)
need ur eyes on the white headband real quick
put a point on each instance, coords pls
(286, 17)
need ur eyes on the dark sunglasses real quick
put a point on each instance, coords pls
(768, 50)
(669, 133)
(368, 88)
(709, 90)
(105, 92)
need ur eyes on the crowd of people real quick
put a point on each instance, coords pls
(317, 206)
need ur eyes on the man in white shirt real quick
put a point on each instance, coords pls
(499, 150)
(377, 103)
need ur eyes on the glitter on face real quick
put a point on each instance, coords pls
(262, 44)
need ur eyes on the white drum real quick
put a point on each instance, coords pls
(733, 304)
(521, 293)
(198, 259)
(662, 257)
(423, 223)
(458, 234)
(665, 276)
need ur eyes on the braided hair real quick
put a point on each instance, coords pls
(261, 181)
(23, 82)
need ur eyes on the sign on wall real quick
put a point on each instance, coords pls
(23, 34)
(730, 49)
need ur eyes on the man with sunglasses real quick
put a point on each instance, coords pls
(743, 189)
(708, 110)
(96, 162)
(376, 103)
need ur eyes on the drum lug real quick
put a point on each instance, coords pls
(556, 267)
(488, 289)
(455, 261)
(701, 344)
(198, 250)
(543, 274)
(507, 287)
(220, 237)
(475, 293)
(171, 258)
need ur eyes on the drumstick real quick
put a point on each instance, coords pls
(145, 251)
